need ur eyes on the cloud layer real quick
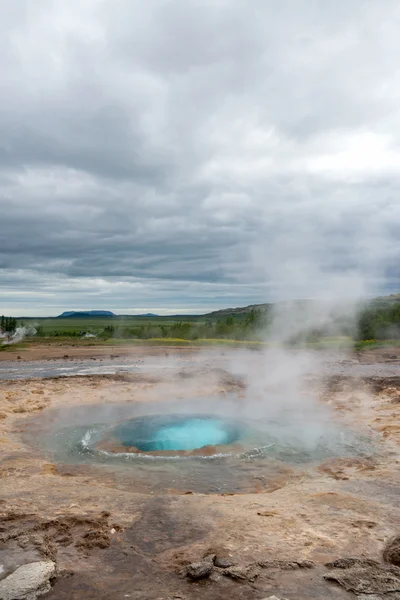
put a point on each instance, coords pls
(185, 156)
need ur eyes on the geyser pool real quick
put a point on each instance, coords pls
(197, 444)
(165, 433)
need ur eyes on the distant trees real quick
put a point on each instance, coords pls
(108, 332)
(379, 322)
(244, 327)
(8, 324)
(366, 326)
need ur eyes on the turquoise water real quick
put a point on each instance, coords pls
(246, 451)
(176, 433)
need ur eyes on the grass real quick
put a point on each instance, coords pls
(17, 346)
(331, 342)
(371, 344)
(97, 324)
(182, 342)
(68, 330)
(324, 343)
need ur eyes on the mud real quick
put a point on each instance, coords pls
(110, 540)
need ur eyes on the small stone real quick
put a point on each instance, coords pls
(199, 570)
(28, 582)
(223, 562)
(221, 557)
(391, 552)
(247, 573)
(286, 565)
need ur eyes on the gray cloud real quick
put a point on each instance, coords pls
(193, 155)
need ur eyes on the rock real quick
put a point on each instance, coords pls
(367, 581)
(286, 565)
(246, 573)
(28, 582)
(223, 562)
(200, 570)
(348, 563)
(251, 571)
(391, 552)
(221, 557)
(372, 597)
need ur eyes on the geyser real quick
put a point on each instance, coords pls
(177, 433)
(196, 444)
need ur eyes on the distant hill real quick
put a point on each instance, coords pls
(146, 315)
(243, 311)
(236, 312)
(86, 313)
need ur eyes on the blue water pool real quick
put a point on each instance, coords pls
(176, 432)
(215, 451)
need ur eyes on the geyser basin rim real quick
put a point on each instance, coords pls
(71, 433)
(172, 434)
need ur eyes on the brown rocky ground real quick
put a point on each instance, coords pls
(85, 349)
(112, 539)
(88, 349)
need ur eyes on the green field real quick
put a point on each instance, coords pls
(189, 328)
(97, 324)
(378, 321)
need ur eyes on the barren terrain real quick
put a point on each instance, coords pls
(113, 536)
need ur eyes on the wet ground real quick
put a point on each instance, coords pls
(114, 534)
(379, 363)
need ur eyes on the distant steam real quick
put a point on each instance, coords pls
(19, 334)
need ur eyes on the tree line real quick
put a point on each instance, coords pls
(8, 324)
(375, 321)
(379, 322)
(248, 327)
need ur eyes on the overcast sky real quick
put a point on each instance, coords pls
(187, 155)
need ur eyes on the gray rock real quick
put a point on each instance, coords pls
(372, 580)
(199, 570)
(28, 582)
(349, 562)
(286, 565)
(223, 562)
(391, 553)
(246, 573)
